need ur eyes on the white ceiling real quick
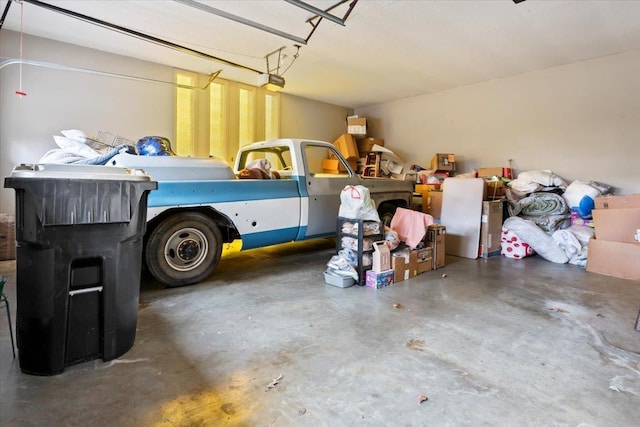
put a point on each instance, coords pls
(387, 50)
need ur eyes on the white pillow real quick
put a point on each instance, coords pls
(75, 134)
(75, 147)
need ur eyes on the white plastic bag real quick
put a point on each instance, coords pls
(356, 203)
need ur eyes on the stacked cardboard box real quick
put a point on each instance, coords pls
(491, 228)
(444, 162)
(346, 145)
(425, 259)
(435, 239)
(357, 126)
(405, 265)
(615, 250)
(432, 204)
(365, 145)
(7, 237)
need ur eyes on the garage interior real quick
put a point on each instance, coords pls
(524, 85)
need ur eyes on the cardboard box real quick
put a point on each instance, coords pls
(379, 280)
(432, 203)
(357, 126)
(425, 188)
(425, 259)
(491, 228)
(435, 239)
(405, 265)
(341, 169)
(616, 225)
(346, 145)
(331, 166)
(381, 257)
(618, 202)
(489, 172)
(617, 259)
(493, 190)
(7, 237)
(444, 162)
(365, 145)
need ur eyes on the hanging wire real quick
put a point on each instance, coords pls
(8, 62)
(295, 56)
(20, 92)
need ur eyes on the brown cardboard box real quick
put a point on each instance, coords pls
(617, 259)
(493, 190)
(331, 166)
(353, 163)
(7, 237)
(444, 162)
(616, 225)
(357, 126)
(618, 202)
(432, 203)
(346, 145)
(404, 267)
(365, 145)
(424, 188)
(491, 228)
(424, 259)
(436, 241)
(489, 172)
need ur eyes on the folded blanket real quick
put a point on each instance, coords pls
(537, 204)
(549, 223)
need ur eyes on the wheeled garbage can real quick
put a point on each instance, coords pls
(79, 234)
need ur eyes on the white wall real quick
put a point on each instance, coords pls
(582, 121)
(307, 119)
(59, 99)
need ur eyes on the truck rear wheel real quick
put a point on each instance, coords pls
(183, 249)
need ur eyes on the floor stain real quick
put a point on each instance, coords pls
(227, 408)
(415, 345)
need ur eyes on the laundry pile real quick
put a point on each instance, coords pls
(540, 205)
(77, 147)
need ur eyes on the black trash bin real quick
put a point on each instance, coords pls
(79, 234)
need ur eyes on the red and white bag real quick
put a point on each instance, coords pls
(513, 247)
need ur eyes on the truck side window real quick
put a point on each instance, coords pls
(321, 160)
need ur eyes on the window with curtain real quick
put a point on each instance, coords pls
(184, 141)
(246, 114)
(229, 116)
(217, 121)
(271, 116)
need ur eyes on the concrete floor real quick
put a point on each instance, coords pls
(497, 342)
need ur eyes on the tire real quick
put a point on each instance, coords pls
(386, 212)
(184, 249)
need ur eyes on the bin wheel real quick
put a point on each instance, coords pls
(183, 249)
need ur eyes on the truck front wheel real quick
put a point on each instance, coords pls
(386, 212)
(183, 249)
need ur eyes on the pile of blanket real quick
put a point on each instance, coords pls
(75, 147)
(540, 205)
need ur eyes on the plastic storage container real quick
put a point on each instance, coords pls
(79, 233)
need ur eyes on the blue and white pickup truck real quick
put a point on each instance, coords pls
(201, 203)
